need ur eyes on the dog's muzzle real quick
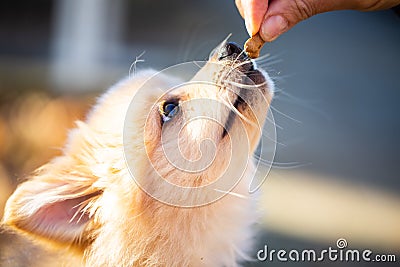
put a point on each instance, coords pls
(232, 52)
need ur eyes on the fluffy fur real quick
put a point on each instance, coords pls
(87, 200)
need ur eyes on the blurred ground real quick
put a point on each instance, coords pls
(5, 188)
(18, 251)
(33, 127)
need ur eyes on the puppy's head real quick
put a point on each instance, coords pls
(184, 143)
(200, 132)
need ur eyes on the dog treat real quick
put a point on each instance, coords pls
(253, 46)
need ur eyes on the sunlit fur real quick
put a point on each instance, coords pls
(87, 200)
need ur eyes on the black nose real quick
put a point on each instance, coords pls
(231, 51)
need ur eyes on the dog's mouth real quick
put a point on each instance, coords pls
(239, 60)
(233, 56)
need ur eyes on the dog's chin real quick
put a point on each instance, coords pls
(256, 76)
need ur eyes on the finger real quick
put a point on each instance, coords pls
(239, 7)
(372, 5)
(283, 15)
(254, 11)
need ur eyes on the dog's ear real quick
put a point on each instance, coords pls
(55, 204)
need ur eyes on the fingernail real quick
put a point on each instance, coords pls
(249, 27)
(273, 27)
(247, 20)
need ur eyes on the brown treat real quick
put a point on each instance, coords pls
(253, 46)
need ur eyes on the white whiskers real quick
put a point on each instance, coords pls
(135, 62)
(232, 193)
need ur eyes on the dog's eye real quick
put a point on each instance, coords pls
(168, 110)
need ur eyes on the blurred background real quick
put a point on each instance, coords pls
(337, 170)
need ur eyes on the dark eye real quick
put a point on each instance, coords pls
(169, 109)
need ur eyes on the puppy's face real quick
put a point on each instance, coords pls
(199, 132)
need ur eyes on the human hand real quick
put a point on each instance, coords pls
(271, 18)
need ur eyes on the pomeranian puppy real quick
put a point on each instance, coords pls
(159, 173)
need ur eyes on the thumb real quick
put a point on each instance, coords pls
(283, 15)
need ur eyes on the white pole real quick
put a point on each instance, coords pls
(78, 43)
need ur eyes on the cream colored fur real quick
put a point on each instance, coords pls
(86, 199)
